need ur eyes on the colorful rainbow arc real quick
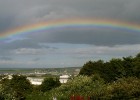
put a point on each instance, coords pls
(74, 23)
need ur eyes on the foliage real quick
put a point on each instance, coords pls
(17, 88)
(49, 83)
(36, 95)
(114, 69)
(124, 88)
(89, 70)
(80, 85)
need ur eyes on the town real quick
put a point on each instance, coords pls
(37, 75)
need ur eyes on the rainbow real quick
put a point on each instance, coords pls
(72, 23)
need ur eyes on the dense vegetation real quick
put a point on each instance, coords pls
(114, 69)
(118, 79)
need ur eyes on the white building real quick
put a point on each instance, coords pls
(35, 81)
(63, 78)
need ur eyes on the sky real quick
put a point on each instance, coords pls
(68, 46)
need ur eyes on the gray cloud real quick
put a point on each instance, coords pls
(93, 36)
(15, 13)
(24, 12)
(36, 59)
(5, 58)
(6, 48)
(35, 44)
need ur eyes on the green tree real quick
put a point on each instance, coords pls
(17, 88)
(49, 83)
(136, 66)
(115, 68)
(138, 55)
(128, 65)
(21, 86)
(91, 68)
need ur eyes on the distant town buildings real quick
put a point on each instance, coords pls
(37, 76)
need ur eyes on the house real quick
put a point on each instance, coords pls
(35, 81)
(63, 78)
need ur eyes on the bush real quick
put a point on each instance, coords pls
(79, 86)
(122, 89)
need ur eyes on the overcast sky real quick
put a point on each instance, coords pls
(67, 47)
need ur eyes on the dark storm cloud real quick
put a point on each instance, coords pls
(5, 23)
(14, 13)
(20, 44)
(106, 37)
(25, 46)
(25, 43)
(7, 48)
(36, 59)
(5, 58)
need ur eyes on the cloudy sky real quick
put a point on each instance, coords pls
(67, 47)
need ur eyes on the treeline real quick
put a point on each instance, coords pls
(114, 69)
(118, 79)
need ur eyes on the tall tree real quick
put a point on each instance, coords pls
(49, 83)
(17, 88)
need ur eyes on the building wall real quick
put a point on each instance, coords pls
(63, 80)
(35, 81)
